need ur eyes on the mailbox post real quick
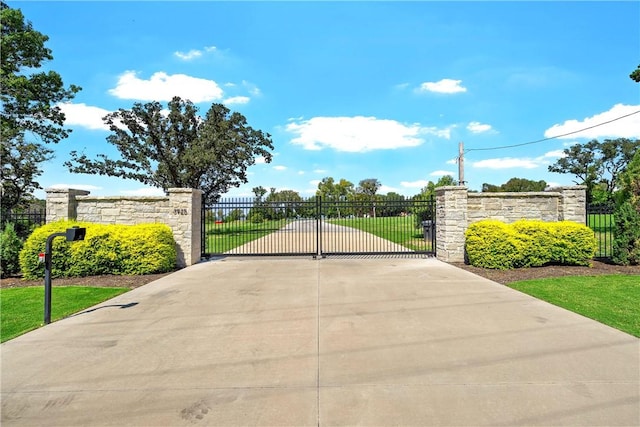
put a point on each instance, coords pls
(72, 235)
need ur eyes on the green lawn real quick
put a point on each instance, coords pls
(22, 309)
(229, 235)
(612, 300)
(602, 226)
(600, 222)
(397, 229)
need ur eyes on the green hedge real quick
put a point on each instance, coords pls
(107, 249)
(528, 243)
(10, 246)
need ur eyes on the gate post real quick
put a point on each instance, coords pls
(318, 227)
(185, 212)
(451, 223)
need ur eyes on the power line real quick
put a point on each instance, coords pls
(552, 137)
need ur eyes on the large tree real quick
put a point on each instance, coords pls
(179, 148)
(597, 165)
(29, 107)
(334, 194)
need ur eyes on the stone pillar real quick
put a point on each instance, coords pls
(451, 223)
(61, 203)
(573, 203)
(185, 211)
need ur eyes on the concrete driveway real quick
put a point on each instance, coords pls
(334, 342)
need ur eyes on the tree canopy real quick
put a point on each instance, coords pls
(635, 75)
(597, 165)
(515, 185)
(179, 148)
(29, 101)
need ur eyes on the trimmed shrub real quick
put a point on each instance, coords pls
(493, 244)
(10, 246)
(107, 249)
(528, 243)
(626, 243)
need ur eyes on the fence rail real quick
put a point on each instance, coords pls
(24, 222)
(601, 220)
(318, 227)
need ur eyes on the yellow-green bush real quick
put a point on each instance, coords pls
(494, 244)
(107, 249)
(528, 243)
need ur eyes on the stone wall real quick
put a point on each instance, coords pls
(456, 208)
(180, 210)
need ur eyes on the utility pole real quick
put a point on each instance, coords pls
(461, 180)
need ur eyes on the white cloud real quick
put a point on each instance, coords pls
(85, 187)
(251, 88)
(452, 161)
(280, 168)
(194, 53)
(320, 171)
(315, 182)
(628, 127)
(414, 184)
(145, 191)
(237, 100)
(448, 86)
(358, 134)
(442, 173)
(84, 115)
(260, 160)
(384, 189)
(554, 154)
(507, 163)
(477, 127)
(301, 172)
(188, 56)
(163, 87)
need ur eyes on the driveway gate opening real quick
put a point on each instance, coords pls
(316, 227)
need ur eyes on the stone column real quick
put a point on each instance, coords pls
(185, 211)
(573, 203)
(61, 203)
(451, 223)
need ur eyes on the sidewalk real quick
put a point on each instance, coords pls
(334, 342)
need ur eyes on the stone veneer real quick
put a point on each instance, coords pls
(456, 208)
(180, 210)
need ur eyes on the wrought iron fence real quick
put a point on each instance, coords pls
(318, 227)
(601, 220)
(23, 222)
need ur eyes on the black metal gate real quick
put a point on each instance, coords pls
(317, 227)
(600, 219)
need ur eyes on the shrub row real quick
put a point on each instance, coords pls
(528, 243)
(107, 249)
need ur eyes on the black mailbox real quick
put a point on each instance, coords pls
(75, 234)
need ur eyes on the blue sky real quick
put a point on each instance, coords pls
(354, 90)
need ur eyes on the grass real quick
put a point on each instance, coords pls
(400, 230)
(23, 308)
(612, 300)
(226, 236)
(602, 226)
(600, 222)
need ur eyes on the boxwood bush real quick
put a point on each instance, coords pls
(107, 249)
(528, 243)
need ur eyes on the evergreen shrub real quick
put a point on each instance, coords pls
(626, 243)
(107, 249)
(528, 243)
(10, 246)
